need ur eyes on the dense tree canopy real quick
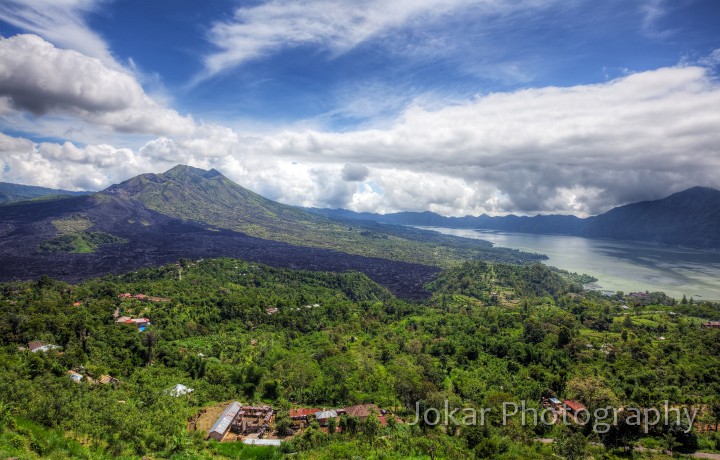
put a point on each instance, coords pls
(490, 334)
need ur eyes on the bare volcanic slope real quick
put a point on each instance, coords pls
(154, 219)
(153, 239)
(208, 197)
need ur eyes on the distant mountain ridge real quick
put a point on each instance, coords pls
(690, 218)
(13, 193)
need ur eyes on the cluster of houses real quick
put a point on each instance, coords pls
(566, 406)
(242, 421)
(273, 310)
(302, 417)
(141, 323)
(78, 377)
(253, 422)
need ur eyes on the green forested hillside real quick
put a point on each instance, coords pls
(491, 333)
(11, 193)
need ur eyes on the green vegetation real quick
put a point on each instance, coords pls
(79, 242)
(491, 333)
(73, 224)
(13, 193)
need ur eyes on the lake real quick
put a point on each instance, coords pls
(619, 266)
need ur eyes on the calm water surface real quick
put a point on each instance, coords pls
(619, 266)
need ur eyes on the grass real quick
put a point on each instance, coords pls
(72, 225)
(79, 242)
(242, 451)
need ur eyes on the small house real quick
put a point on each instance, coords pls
(711, 324)
(323, 416)
(573, 407)
(222, 425)
(75, 377)
(41, 346)
(108, 380)
(301, 416)
(302, 413)
(179, 390)
(362, 411)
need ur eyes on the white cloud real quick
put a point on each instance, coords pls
(652, 11)
(61, 22)
(712, 59)
(40, 78)
(330, 25)
(636, 137)
(578, 149)
(66, 165)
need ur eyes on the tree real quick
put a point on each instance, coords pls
(534, 331)
(371, 427)
(474, 434)
(151, 339)
(352, 425)
(669, 442)
(271, 390)
(571, 444)
(627, 322)
(283, 424)
(5, 418)
(591, 391)
(714, 407)
(332, 425)
(564, 336)
(621, 435)
(684, 436)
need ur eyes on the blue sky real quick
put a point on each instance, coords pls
(451, 106)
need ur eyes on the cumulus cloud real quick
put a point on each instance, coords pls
(330, 25)
(575, 149)
(580, 150)
(66, 165)
(354, 173)
(36, 76)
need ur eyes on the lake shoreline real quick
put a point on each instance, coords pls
(618, 265)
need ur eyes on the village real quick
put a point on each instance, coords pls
(260, 425)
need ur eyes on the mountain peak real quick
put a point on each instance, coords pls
(184, 172)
